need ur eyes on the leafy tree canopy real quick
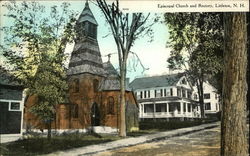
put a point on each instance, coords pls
(34, 46)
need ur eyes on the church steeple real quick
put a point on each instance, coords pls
(86, 25)
(86, 57)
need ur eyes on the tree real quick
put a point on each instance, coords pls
(196, 41)
(34, 46)
(233, 126)
(126, 29)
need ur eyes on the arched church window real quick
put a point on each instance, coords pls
(76, 85)
(96, 85)
(111, 106)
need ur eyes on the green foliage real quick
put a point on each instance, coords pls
(169, 125)
(49, 85)
(196, 40)
(34, 45)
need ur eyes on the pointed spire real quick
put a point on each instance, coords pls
(86, 57)
(87, 15)
(87, 4)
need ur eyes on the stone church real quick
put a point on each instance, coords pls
(94, 88)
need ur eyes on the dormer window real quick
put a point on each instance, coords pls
(184, 81)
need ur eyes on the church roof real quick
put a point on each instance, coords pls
(109, 68)
(112, 79)
(87, 15)
(156, 81)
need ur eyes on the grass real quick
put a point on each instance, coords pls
(40, 145)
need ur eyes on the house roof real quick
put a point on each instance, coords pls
(7, 79)
(156, 81)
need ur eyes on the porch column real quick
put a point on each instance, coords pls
(142, 109)
(181, 107)
(186, 108)
(167, 108)
(191, 109)
(154, 110)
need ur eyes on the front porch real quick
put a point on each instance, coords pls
(169, 110)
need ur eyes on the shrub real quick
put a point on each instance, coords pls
(168, 125)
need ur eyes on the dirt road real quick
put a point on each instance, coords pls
(203, 143)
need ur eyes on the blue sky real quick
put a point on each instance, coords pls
(153, 55)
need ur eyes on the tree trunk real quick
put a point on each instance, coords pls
(201, 97)
(49, 131)
(122, 131)
(233, 126)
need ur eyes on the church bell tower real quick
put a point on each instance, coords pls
(86, 57)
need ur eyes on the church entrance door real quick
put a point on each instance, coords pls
(95, 115)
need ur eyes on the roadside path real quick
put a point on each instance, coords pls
(131, 141)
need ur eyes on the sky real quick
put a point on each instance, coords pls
(153, 55)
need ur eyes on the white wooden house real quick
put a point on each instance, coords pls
(165, 97)
(211, 99)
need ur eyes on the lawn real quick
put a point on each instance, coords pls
(37, 145)
(40, 145)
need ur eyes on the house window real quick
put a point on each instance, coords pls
(75, 111)
(141, 95)
(178, 92)
(183, 93)
(189, 93)
(149, 94)
(184, 107)
(171, 91)
(178, 106)
(161, 92)
(207, 96)
(95, 85)
(195, 96)
(14, 106)
(76, 85)
(216, 96)
(207, 106)
(183, 81)
(149, 108)
(111, 105)
(155, 93)
(145, 94)
(160, 107)
(172, 106)
(189, 107)
(165, 92)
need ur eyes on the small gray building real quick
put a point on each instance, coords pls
(11, 107)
